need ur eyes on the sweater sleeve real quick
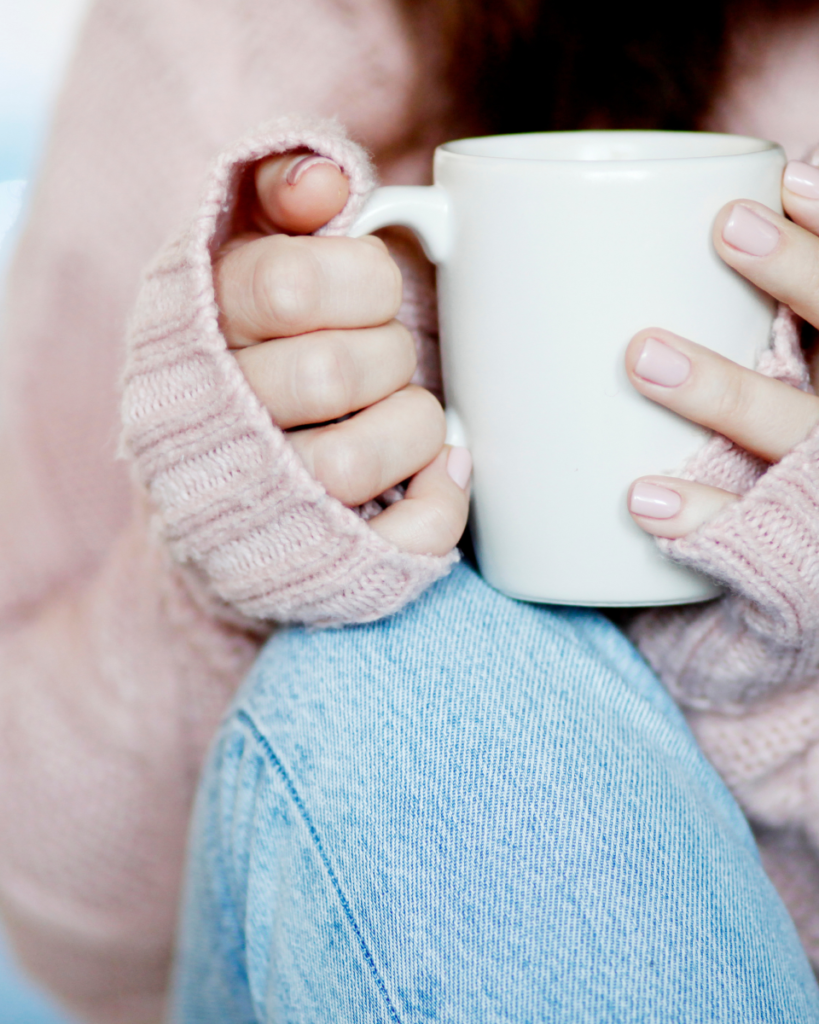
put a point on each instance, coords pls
(762, 636)
(232, 499)
(116, 662)
(110, 694)
(745, 667)
(769, 758)
(113, 680)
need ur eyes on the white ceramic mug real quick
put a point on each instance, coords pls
(552, 251)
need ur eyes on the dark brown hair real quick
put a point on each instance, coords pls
(538, 65)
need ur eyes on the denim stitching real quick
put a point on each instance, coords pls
(263, 743)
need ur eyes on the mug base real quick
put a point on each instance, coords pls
(704, 590)
(608, 603)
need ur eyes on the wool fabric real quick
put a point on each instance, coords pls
(134, 594)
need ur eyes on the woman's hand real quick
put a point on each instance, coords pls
(762, 415)
(312, 324)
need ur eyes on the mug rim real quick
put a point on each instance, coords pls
(459, 149)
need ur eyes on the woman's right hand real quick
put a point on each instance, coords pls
(311, 321)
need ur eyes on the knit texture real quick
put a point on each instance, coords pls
(764, 634)
(746, 666)
(128, 619)
(233, 499)
(117, 660)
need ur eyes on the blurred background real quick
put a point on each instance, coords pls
(36, 40)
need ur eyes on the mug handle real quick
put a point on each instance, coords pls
(425, 210)
(422, 208)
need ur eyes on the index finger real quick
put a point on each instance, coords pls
(764, 416)
(773, 253)
(278, 287)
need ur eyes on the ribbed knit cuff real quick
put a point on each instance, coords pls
(762, 636)
(232, 499)
(765, 548)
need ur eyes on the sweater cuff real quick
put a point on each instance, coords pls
(765, 549)
(232, 499)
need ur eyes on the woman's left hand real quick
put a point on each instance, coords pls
(762, 415)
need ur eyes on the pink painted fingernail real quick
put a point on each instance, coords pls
(459, 466)
(802, 179)
(647, 499)
(749, 232)
(661, 364)
(298, 169)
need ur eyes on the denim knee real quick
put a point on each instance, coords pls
(480, 810)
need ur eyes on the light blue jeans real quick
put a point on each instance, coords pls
(475, 811)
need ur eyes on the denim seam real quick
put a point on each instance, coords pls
(232, 884)
(245, 718)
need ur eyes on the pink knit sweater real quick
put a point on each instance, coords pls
(134, 598)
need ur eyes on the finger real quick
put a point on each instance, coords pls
(298, 193)
(432, 517)
(666, 507)
(762, 415)
(318, 377)
(363, 456)
(800, 194)
(278, 286)
(776, 255)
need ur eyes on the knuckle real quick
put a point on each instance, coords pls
(734, 400)
(374, 242)
(794, 273)
(345, 466)
(447, 525)
(395, 286)
(324, 380)
(812, 280)
(287, 285)
(440, 525)
(405, 345)
(427, 410)
(385, 274)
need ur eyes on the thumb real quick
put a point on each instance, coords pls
(297, 193)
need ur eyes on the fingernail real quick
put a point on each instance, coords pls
(750, 233)
(303, 164)
(802, 179)
(654, 501)
(459, 466)
(661, 364)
